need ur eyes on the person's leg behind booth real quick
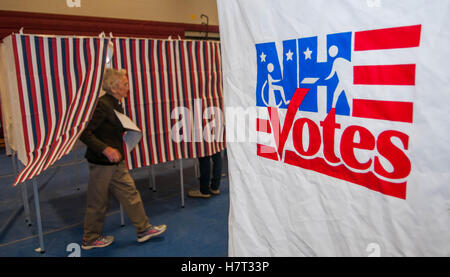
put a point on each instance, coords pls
(217, 173)
(205, 176)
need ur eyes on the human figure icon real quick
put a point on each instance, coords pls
(343, 69)
(272, 88)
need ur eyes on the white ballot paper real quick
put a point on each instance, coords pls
(133, 134)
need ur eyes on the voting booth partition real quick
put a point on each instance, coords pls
(50, 86)
(49, 89)
(175, 98)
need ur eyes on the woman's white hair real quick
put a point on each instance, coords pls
(112, 77)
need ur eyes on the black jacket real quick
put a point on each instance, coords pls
(103, 130)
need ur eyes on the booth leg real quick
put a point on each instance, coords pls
(23, 190)
(182, 183)
(122, 218)
(41, 248)
(152, 178)
(196, 168)
(26, 206)
(77, 181)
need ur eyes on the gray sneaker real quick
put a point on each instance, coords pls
(151, 232)
(102, 241)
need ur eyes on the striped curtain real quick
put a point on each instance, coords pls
(166, 76)
(58, 80)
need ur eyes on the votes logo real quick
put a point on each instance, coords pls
(347, 103)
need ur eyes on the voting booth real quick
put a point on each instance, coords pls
(50, 86)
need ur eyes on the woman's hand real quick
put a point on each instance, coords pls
(112, 154)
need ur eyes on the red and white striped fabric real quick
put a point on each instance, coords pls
(166, 76)
(393, 43)
(58, 81)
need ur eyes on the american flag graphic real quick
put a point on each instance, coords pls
(165, 75)
(385, 74)
(378, 59)
(59, 81)
(373, 73)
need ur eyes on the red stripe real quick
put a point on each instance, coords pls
(33, 101)
(56, 135)
(24, 174)
(156, 102)
(68, 71)
(181, 100)
(87, 94)
(30, 167)
(145, 161)
(95, 91)
(69, 93)
(266, 152)
(176, 97)
(87, 91)
(263, 126)
(159, 102)
(58, 92)
(203, 95)
(391, 38)
(170, 90)
(78, 60)
(219, 90)
(48, 136)
(78, 82)
(57, 84)
(51, 143)
(188, 102)
(203, 147)
(172, 99)
(191, 92)
(384, 110)
(21, 93)
(121, 49)
(213, 92)
(134, 152)
(195, 133)
(116, 50)
(74, 110)
(209, 93)
(127, 102)
(147, 91)
(164, 102)
(402, 75)
(140, 147)
(190, 45)
(217, 143)
(368, 180)
(45, 93)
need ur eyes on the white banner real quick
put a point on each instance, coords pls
(337, 126)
